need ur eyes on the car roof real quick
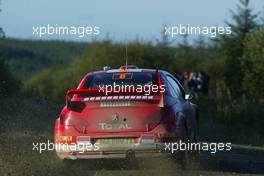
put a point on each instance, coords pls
(124, 71)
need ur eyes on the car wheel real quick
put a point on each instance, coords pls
(190, 158)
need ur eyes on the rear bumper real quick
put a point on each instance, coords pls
(107, 154)
(145, 144)
(106, 151)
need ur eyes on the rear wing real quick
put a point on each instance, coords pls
(96, 94)
(81, 96)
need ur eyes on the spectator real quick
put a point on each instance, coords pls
(206, 79)
(200, 82)
(185, 76)
(192, 83)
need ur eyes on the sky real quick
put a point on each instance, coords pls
(119, 19)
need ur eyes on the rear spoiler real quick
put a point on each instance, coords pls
(96, 95)
(77, 92)
(98, 91)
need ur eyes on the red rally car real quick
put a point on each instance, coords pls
(124, 112)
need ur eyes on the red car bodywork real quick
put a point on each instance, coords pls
(120, 124)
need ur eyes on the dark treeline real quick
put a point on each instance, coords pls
(234, 63)
(27, 57)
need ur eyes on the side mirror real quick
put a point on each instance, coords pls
(188, 97)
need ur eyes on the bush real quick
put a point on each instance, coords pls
(8, 84)
(253, 64)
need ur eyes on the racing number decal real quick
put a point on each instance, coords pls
(122, 76)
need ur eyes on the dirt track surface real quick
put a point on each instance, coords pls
(18, 158)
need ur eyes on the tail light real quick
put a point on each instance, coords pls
(73, 103)
(67, 120)
(63, 116)
(77, 106)
(151, 126)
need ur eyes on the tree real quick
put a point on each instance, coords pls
(163, 51)
(2, 33)
(262, 18)
(8, 84)
(244, 22)
(253, 64)
(184, 55)
(164, 40)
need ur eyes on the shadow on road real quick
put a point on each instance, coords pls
(234, 161)
(237, 160)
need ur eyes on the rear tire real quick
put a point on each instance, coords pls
(190, 158)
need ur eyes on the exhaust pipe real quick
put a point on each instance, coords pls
(130, 154)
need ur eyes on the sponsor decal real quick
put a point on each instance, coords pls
(107, 126)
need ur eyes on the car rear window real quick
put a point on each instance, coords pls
(121, 78)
